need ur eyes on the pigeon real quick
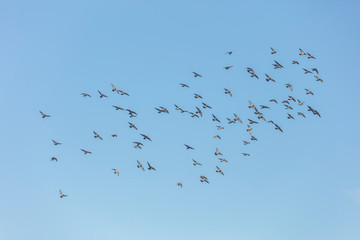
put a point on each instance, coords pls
(44, 115)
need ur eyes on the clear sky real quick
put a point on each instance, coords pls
(300, 184)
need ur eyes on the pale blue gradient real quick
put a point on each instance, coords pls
(302, 184)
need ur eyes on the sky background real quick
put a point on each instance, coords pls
(300, 184)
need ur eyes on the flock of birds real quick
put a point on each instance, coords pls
(199, 113)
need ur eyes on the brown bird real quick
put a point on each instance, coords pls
(230, 121)
(268, 78)
(237, 118)
(53, 159)
(252, 121)
(132, 126)
(215, 118)
(219, 127)
(61, 194)
(217, 136)
(246, 143)
(196, 74)
(197, 96)
(295, 62)
(246, 154)
(97, 136)
(184, 85)
(114, 135)
(193, 114)
(123, 93)
(289, 86)
(140, 166)
(204, 179)
(150, 167)
(290, 117)
(315, 70)
(102, 95)
(306, 71)
(249, 129)
(227, 91)
(218, 170)
(56, 143)
(273, 100)
(138, 145)
(179, 184)
(277, 65)
(179, 108)
(188, 147)
(308, 92)
(223, 160)
(44, 115)
(85, 95)
(310, 56)
(217, 152)
(264, 107)
(85, 152)
(301, 114)
(114, 89)
(300, 103)
(198, 111)
(253, 138)
(228, 67)
(273, 51)
(145, 137)
(116, 171)
(206, 106)
(288, 107)
(229, 53)
(196, 163)
(118, 108)
(301, 52)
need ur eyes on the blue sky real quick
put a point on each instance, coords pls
(302, 184)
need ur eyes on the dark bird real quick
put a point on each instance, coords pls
(85, 95)
(205, 105)
(196, 74)
(295, 62)
(290, 117)
(246, 154)
(229, 53)
(85, 152)
(219, 127)
(118, 108)
(132, 126)
(306, 71)
(116, 171)
(301, 114)
(97, 136)
(196, 163)
(246, 143)
(188, 147)
(288, 107)
(223, 160)
(285, 101)
(114, 135)
(145, 137)
(123, 93)
(277, 65)
(179, 184)
(308, 92)
(278, 128)
(228, 67)
(253, 138)
(273, 51)
(139, 165)
(218, 170)
(291, 99)
(227, 91)
(56, 143)
(193, 114)
(264, 107)
(179, 108)
(162, 109)
(318, 79)
(230, 121)
(315, 70)
(44, 115)
(61, 194)
(184, 85)
(54, 159)
(268, 78)
(114, 89)
(150, 167)
(273, 100)
(301, 52)
(138, 145)
(310, 56)
(102, 95)
(197, 95)
(217, 152)
(252, 122)
(215, 118)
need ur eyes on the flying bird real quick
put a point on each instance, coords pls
(179, 184)
(85, 152)
(102, 95)
(288, 85)
(53, 159)
(114, 89)
(188, 147)
(61, 194)
(150, 167)
(116, 171)
(237, 118)
(301, 52)
(295, 62)
(118, 108)
(44, 115)
(223, 160)
(228, 67)
(273, 100)
(140, 166)
(55, 142)
(85, 95)
(123, 93)
(206, 106)
(145, 137)
(218, 170)
(268, 78)
(249, 129)
(132, 126)
(215, 118)
(246, 154)
(217, 152)
(196, 163)
(290, 117)
(273, 51)
(197, 96)
(97, 136)
(217, 136)
(184, 85)
(219, 127)
(306, 71)
(227, 91)
(310, 56)
(196, 74)
(301, 114)
(308, 92)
